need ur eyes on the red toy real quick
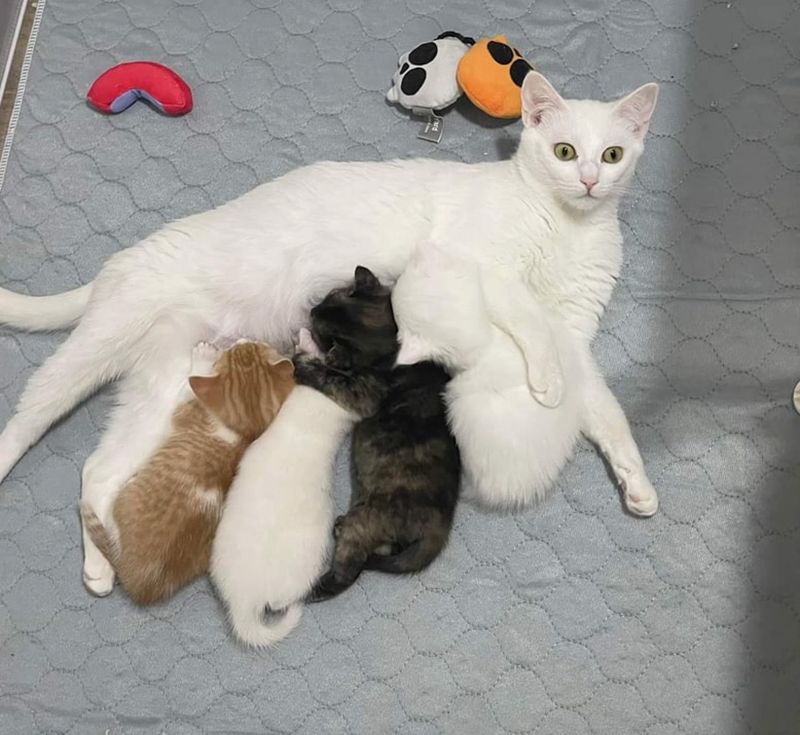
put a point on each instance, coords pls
(118, 88)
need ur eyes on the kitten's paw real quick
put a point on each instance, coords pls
(547, 386)
(204, 352)
(306, 343)
(98, 578)
(640, 496)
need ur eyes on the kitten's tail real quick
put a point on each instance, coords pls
(43, 313)
(359, 534)
(261, 627)
(99, 534)
(415, 557)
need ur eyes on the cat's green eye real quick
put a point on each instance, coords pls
(612, 154)
(564, 152)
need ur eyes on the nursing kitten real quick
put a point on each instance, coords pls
(511, 445)
(405, 463)
(275, 535)
(163, 521)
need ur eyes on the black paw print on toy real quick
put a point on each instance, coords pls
(412, 75)
(503, 54)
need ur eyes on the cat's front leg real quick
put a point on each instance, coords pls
(515, 311)
(605, 424)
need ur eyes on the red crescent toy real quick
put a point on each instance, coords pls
(120, 86)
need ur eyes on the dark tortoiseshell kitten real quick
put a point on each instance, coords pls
(405, 464)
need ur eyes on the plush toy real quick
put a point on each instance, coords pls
(491, 74)
(426, 76)
(120, 86)
(434, 75)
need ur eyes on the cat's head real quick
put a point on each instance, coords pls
(356, 323)
(584, 151)
(440, 310)
(250, 383)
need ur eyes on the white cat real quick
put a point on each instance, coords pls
(274, 538)
(512, 447)
(255, 265)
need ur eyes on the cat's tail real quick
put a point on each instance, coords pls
(360, 534)
(413, 558)
(99, 534)
(43, 313)
(261, 627)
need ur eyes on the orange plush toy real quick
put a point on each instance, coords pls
(491, 75)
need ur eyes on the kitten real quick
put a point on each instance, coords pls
(512, 446)
(163, 521)
(275, 535)
(405, 463)
(547, 217)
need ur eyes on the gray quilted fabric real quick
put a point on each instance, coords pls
(572, 618)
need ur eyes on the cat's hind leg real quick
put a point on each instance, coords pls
(74, 371)
(98, 350)
(138, 424)
(605, 424)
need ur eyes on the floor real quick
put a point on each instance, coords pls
(569, 619)
(12, 84)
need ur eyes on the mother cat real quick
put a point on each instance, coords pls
(546, 218)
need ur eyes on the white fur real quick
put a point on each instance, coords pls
(255, 265)
(42, 313)
(512, 447)
(274, 538)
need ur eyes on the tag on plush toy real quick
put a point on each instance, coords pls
(433, 128)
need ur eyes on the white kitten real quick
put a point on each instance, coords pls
(274, 538)
(512, 447)
(255, 265)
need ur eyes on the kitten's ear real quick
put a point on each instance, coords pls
(283, 368)
(637, 108)
(413, 349)
(365, 281)
(338, 357)
(207, 389)
(538, 99)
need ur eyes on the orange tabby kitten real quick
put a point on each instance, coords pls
(166, 515)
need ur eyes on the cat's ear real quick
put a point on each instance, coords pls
(365, 281)
(338, 357)
(637, 108)
(283, 368)
(207, 389)
(539, 98)
(413, 349)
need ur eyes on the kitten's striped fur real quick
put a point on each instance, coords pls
(166, 516)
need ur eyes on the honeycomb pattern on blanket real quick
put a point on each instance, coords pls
(571, 618)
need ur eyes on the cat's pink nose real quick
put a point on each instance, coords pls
(588, 183)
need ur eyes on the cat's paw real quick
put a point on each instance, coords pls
(306, 343)
(547, 385)
(640, 496)
(308, 370)
(98, 577)
(204, 355)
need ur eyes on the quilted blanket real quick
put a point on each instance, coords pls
(570, 618)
